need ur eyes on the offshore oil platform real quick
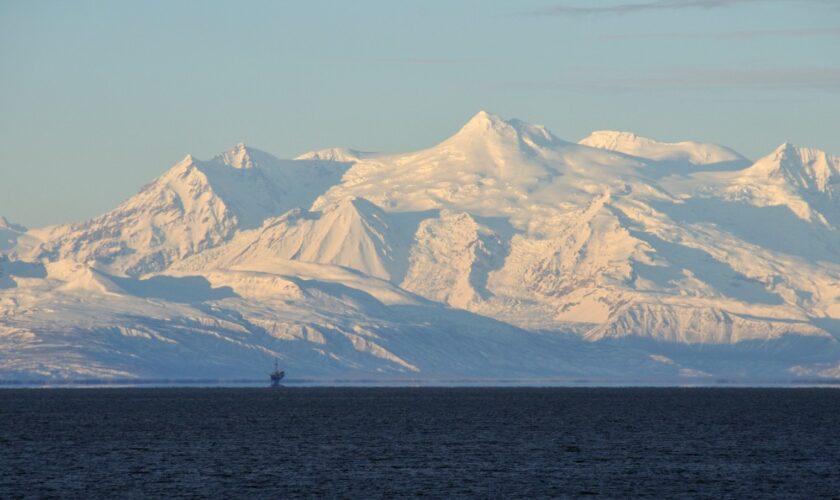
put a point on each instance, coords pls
(276, 375)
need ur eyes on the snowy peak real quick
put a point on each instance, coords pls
(194, 206)
(352, 233)
(483, 122)
(806, 169)
(810, 168)
(240, 156)
(344, 155)
(360, 208)
(484, 128)
(176, 215)
(615, 140)
(688, 151)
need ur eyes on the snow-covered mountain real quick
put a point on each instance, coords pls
(502, 252)
(194, 206)
(806, 181)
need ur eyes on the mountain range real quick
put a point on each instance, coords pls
(503, 253)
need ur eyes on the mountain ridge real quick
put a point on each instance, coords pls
(693, 152)
(622, 247)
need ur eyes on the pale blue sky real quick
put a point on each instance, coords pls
(99, 97)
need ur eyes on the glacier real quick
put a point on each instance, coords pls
(503, 253)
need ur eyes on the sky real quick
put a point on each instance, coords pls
(97, 98)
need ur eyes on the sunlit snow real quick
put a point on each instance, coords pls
(503, 252)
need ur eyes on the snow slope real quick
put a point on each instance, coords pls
(352, 233)
(75, 321)
(502, 251)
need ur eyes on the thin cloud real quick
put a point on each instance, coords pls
(732, 35)
(630, 8)
(809, 79)
(656, 5)
(426, 61)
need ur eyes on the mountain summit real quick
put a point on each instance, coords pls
(245, 157)
(807, 169)
(488, 129)
(194, 206)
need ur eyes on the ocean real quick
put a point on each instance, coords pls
(436, 442)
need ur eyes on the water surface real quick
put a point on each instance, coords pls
(382, 442)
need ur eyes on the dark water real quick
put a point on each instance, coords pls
(364, 443)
